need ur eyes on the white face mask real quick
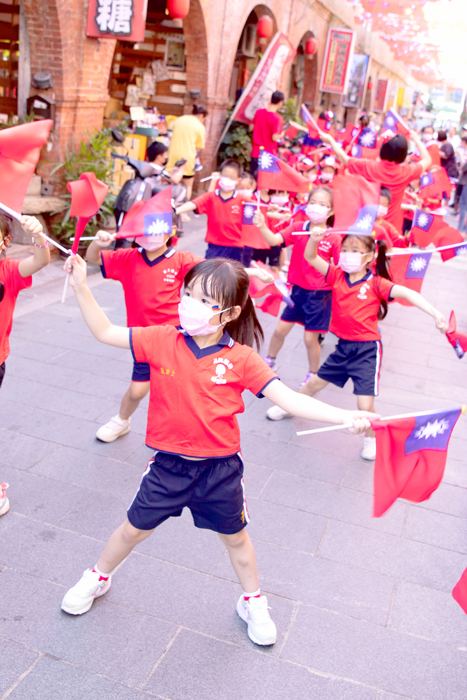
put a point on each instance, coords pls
(350, 262)
(245, 193)
(279, 199)
(195, 317)
(226, 184)
(311, 177)
(382, 211)
(150, 243)
(317, 213)
(427, 137)
(327, 177)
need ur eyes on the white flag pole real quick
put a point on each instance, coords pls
(411, 251)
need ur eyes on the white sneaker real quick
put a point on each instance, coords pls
(261, 629)
(276, 413)
(369, 449)
(80, 598)
(115, 428)
(4, 502)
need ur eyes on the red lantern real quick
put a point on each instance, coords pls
(178, 9)
(264, 27)
(311, 47)
(369, 85)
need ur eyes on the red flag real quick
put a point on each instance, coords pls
(326, 125)
(149, 218)
(433, 150)
(425, 226)
(291, 132)
(311, 123)
(359, 151)
(457, 340)
(448, 236)
(393, 122)
(347, 135)
(87, 196)
(355, 204)
(410, 457)
(459, 592)
(435, 185)
(271, 305)
(274, 174)
(409, 269)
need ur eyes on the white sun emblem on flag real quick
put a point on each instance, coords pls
(418, 264)
(422, 220)
(462, 250)
(432, 430)
(367, 139)
(266, 160)
(365, 222)
(249, 212)
(390, 121)
(425, 180)
(158, 226)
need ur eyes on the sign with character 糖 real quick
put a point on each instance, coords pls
(117, 19)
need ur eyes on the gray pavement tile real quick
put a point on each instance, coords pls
(39, 498)
(448, 499)
(255, 479)
(455, 473)
(96, 364)
(427, 613)
(285, 527)
(254, 421)
(240, 673)
(392, 556)
(45, 550)
(377, 656)
(139, 419)
(22, 451)
(140, 457)
(80, 342)
(435, 528)
(12, 410)
(190, 599)
(49, 374)
(319, 582)
(52, 679)
(105, 387)
(14, 660)
(331, 501)
(34, 350)
(88, 640)
(94, 472)
(359, 477)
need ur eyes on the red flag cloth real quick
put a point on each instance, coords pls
(425, 227)
(258, 288)
(87, 196)
(395, 123)
(273, 174)
(409, 271)
(149, 218)
(457, 340)
(291, 132)
(449, 236)
(311, 123)
(435, 185)
(347, 135)
(359, 151)
(433, 150)
(271, 305)
(459, 592)
(410, 457)
(326, 125)
(355, 204)
(20, 148)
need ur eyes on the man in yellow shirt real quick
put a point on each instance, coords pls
(188, 137)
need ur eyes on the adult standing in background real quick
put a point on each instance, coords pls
(447, 154)
(267, 127)
(188, 137)
(454, 138)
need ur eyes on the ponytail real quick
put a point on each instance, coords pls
(382, 270)
(246, 329)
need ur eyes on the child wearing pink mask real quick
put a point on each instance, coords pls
(311, 294)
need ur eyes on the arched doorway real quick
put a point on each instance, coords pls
(303, 80)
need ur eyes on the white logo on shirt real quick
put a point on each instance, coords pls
(170, 274)
(235, 209)
(363, 290)
(221, 368)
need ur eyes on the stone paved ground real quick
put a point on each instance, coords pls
(363, 607)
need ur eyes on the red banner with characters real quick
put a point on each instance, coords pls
(117, 19)
(380, 97)
(265, 80)
(336, 64)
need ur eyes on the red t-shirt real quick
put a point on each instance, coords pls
(300, 271)
(151, 288)
(266, 124)
(254, 239)
(392, 175)
(387, 232)
(224, 218)
(195, 393)
(355, 306)
(11, 283)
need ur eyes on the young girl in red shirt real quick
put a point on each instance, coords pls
(359, 301)
(198, 374)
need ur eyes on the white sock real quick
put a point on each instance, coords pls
(101, 573)
(256, 594)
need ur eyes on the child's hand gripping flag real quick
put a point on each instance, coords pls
(409, 269)
(425, 226)
(274, 174)
(87, 196)
(274, 293)
(355, 204)
(435, 185)
(393, 122)
(457, 340)
(411, 455)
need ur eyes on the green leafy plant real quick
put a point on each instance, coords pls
(236, 144)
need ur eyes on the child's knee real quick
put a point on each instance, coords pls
(138, 390)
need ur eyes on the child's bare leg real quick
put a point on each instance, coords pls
(283, 328)
(243, 558)
(130, 402)
(367, 403)
(119, 546)
(313, 349)
(313, 386)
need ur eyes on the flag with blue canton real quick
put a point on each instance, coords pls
(157, 223)
(409, 270)
(426, 179)
(394, 123)
(274, 174)
(432, 432)
(151, 218)
(417, 266)
(367, 138)
(425, 226)
(355, 204)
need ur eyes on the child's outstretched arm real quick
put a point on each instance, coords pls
(261, 273)
(41, 256)
(94, 317)
(304, 406)
(339, 152)
(103, 240)
(311, 251)
(184, 208)
(267, 234)
(401, 292)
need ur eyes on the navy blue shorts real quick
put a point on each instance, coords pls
(213, 489)
(141, 372)
(312, 309)
(224, 251)
(358, 360)
(268, 256)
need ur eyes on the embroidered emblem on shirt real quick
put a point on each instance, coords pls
(363, 290)
(235, 209)
(169, 274)
(221, 368)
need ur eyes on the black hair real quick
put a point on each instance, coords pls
(250, 178)
(428, 126)
(385, 192)
(200, 109)
(395, 150)
(228, 283)
(442, 136)
(328, 191)
(6, 228)
(156, 149)
(277, 97)
(382, 264)
(364, 120)
(231, 163)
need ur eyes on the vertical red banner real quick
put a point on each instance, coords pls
(117, 19)
(380, 97)
(336, 65)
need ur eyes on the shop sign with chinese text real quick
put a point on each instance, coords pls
(336, 64)
(380, 97)
(117, 19)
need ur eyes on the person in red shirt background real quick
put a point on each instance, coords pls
(267, 128)
(384, 230)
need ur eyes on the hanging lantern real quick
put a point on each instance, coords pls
(178, 9)
(311, 47)
(264, 27)
(369, 85)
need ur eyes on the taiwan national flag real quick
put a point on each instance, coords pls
(425, 226)
(273, 174)
(409, 271)
(355, 204)
(410, 457)
(366, 144)
(248, 227)
(274, 293)
(459, 592)
(347, 135)
(150, 218)
(457, 340)
(311, 123)
(449, 236)
(435, 185)
(395, 123)
(359, 151)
